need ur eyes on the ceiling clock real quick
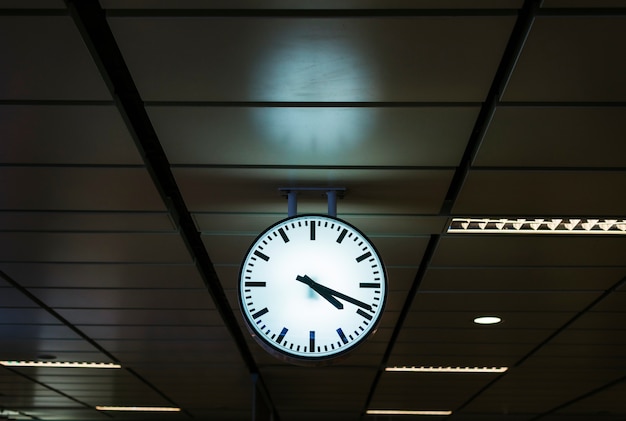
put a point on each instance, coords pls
(312, 288)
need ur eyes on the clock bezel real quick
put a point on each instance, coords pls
(338, 354)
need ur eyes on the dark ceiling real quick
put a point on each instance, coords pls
(143, 146)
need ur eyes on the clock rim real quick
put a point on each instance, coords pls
(340, 353)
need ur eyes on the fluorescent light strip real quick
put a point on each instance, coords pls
(402, 412)
(538, 226)
(138, 408)
(58, 364)
(449, 369)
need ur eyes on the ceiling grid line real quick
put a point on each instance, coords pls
(523, 25)
(571, 321)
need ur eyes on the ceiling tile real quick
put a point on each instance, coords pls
(79, 188)
(571, 58)
(426, 391)
(316, 59)
(66, 134)
(85, 221)
(502, 303)
(583, 3)
(41, 49)
(104, 275)
(529, 250)
(543, 389)
(364, 136)
(320, 4)
(542, 192)
(93, 247)
(533, 137)
(368, 191)
(141, 317)
(520, 278)
(124, 298)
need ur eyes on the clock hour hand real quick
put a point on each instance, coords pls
(320, 290)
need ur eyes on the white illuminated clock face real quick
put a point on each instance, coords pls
(311, 288)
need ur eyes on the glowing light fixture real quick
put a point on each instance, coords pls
(403, 412)
(538, 226)
(58, 364)
(139, 408)
(449, 369)
(487, 320)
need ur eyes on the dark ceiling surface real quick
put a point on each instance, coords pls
(143, 146)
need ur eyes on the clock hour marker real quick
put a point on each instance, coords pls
(255, 283)
(342, 235)
(364, 314)
(369, 285)
(261, 255)
(362, 257)
(312, 341)
(260, 313)
(342, 336)
(282, 234)
(312, 230)
(282, 335)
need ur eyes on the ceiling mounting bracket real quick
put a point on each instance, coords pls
(332, 194)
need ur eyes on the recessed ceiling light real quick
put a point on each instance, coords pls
(58, 364)
(403, 412)
(449, 369)
(487, 320)
(594, 226)
(138, 408)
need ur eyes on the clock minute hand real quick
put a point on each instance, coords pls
(329, 294)
(320, 290)
(345, 297)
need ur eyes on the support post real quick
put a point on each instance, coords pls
(332, 194)
(332, 202)
(292, 203)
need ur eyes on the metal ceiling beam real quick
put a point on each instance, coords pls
(91, 21)
(523, 24)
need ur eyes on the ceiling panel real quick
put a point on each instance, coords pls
(584, 3)
(542, 192)
(533, 137)
(316, 59)
(426, 391)
(372, 190)
(78, 188)
(543, 389)
(279, 4)
(514, 320)
(368, 136)
(100, 275)
(610, 400)
(85, 221)
(141, 317)
(530, 250)
(520, 278)
(41, 49)
(254, 223)
(503, 302)
(69, 134)
(124, 298)
(93, 247)
(571, 58)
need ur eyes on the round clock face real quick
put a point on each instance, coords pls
(311, 288)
